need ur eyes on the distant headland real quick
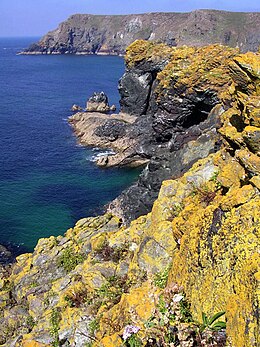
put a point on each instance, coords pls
(111, 34)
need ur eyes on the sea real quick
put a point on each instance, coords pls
(47, 180)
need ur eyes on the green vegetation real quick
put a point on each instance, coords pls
(94, 326)
(111, 291)
(214, 179)
(133, 341)
(34, 284)
(185, 312)
(211, 322)
(160, 278)
(54, 326)
(69, 259)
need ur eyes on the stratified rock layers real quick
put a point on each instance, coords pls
(85, 287)
(97, 34)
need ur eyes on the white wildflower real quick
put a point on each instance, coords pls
(177, 298)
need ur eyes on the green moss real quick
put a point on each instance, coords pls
(94, 326)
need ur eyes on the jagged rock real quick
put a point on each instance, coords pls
(98, 102)
(134, 90)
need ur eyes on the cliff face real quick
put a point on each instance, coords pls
(173, 98)
(194, 255)
(96, 34)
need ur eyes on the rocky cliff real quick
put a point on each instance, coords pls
(176, 274)
(99, 34)
(173, 101)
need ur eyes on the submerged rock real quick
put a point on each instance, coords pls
(5, 255)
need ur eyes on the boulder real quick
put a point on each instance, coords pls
(76, 108)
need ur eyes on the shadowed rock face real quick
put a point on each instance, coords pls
(101, 34)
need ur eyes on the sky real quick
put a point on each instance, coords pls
(36, 17)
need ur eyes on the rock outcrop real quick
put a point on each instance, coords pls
(98, 102)
(175, 97)
(99, 34)
(161, 280)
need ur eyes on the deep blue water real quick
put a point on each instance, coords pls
(47, 181)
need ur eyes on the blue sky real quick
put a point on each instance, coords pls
(36, 17)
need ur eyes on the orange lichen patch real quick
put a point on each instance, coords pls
(236, 197)
(231, 174)
(250, 62)
(137, 307)
(255, 182)
(252, 111)
(245, 332)
(251, 137)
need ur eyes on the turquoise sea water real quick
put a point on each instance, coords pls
(48, 181)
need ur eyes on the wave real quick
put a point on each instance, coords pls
(100, 154)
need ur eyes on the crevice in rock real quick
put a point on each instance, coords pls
(198, 114)
(237, 122)
(147, 105)
(214, 228)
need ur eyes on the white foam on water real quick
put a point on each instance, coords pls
(98, 155)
